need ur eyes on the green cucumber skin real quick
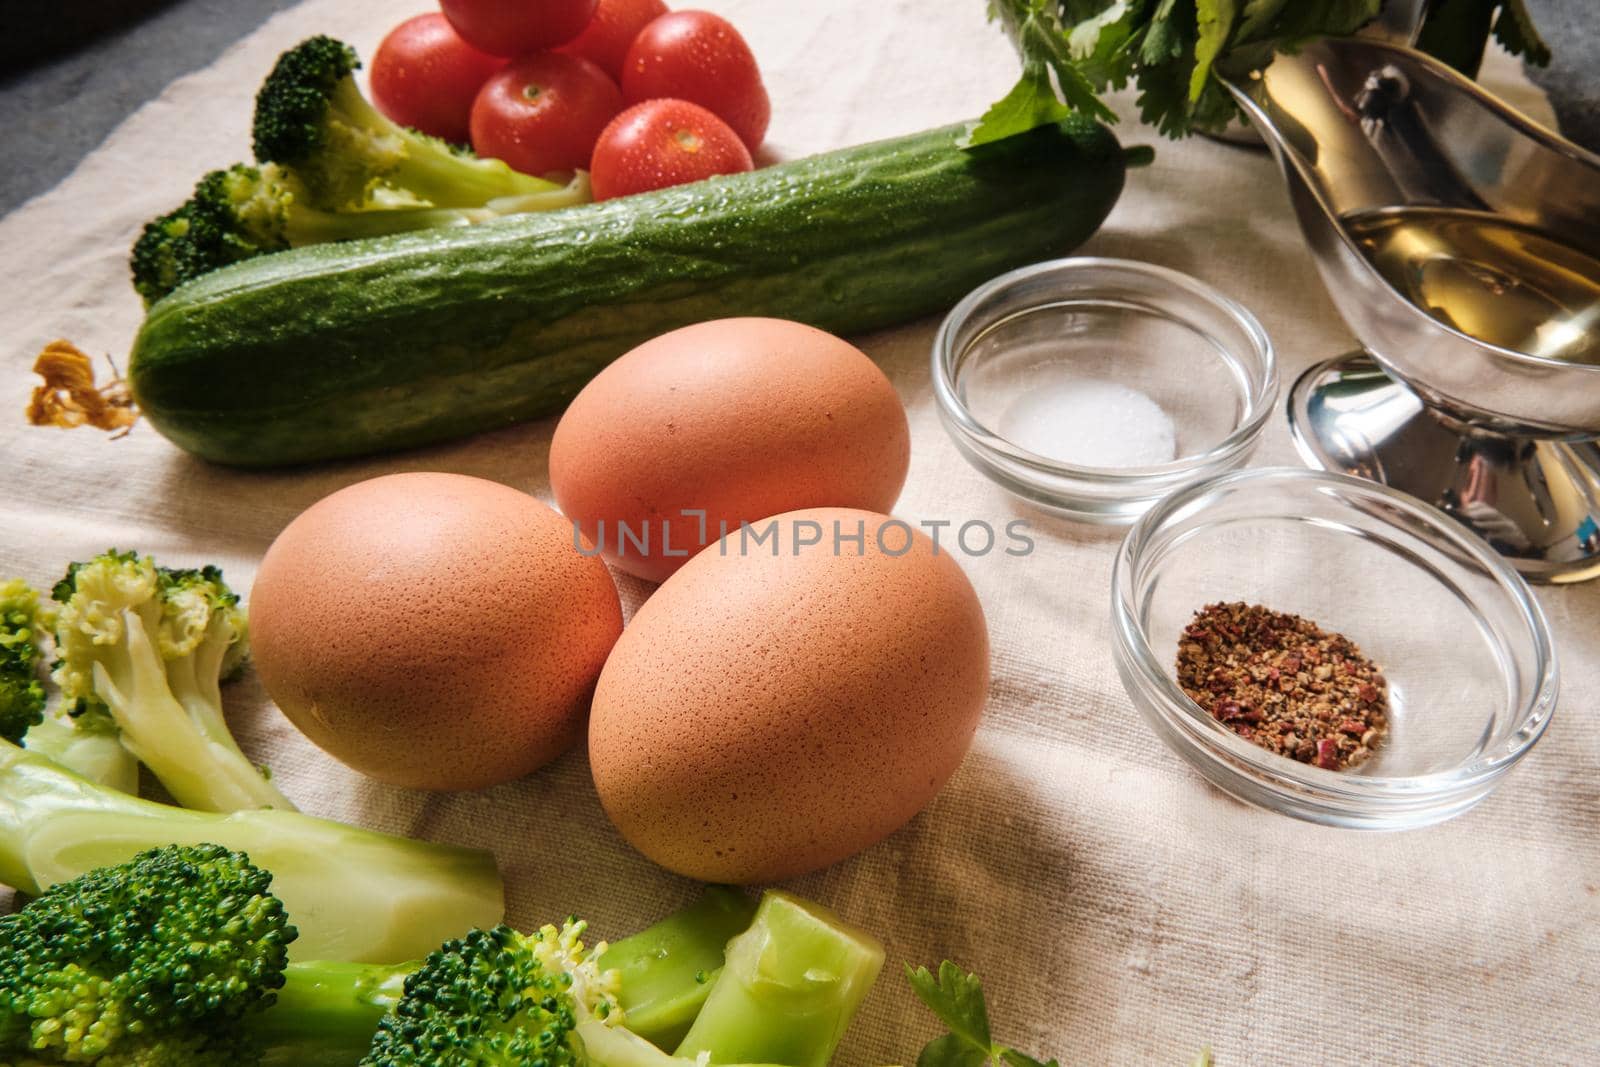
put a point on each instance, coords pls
(368, 346)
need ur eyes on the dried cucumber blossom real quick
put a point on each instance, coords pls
(69, 397)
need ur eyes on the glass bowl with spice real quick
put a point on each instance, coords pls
(1094, 387)
(1329, 648)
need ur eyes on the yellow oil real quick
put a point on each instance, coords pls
(1499, 282)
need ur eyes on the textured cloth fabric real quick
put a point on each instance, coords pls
(1118, 908)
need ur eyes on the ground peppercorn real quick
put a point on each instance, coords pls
(1282, 682)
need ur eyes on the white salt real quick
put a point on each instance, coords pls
(1091, 423)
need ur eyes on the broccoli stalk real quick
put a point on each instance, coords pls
(149, 645)
(179, 957)
(327, 1011)
(355, 894)
(790, 987)
(667, 971)
(244, 212)
(310, 116)
(89, 745)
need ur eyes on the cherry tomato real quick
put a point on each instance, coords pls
(426, 77)
(616, 23)
(660, 143)
(544, 112)
(517, 27)
(699, 57)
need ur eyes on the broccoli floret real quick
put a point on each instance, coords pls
(355, 894)
(173, 959)
(155, 960)
(497, 996)
(148, 646)
(79, 735)
(179, 957)
(21, 690)
(244, 211)
(310, 116)
(791, 983)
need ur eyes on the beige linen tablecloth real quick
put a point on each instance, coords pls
(1119, 909)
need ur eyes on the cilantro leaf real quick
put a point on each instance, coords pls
(1104, 46)
(956, 997)
(1517, 34)
(1052, 85)
(1258, 15)
(1338, 17)
(1165, 38)
(1031, 102)
(1176, 50)
(1216, 19)
(952, 1050)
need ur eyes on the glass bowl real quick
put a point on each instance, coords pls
(1095, 387)
(1463, 643)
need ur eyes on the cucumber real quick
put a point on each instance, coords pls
(366, 346)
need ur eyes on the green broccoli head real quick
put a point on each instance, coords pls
(152, 961)
(244, 212)
(312, 118)
(22, 697)
(234, 214)
(332, 168)
(304, 118)
(498, 996)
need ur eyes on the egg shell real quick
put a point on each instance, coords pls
(433, 630)
(765, 716)
(740, 418)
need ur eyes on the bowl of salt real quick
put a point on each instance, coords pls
(1094, 387)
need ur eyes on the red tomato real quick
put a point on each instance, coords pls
(699, 57)
(517, 27)
(660, 143)
(616, 23)
(544, 113)
(426, 77)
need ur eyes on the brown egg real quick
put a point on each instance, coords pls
(765, 715)
(737, 418)
(433, 630)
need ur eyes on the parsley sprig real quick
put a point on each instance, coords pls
(1073, 51)
(956, 997)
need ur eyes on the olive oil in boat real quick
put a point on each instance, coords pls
(1494, 280)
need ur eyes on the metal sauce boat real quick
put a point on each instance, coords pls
(1483, 220)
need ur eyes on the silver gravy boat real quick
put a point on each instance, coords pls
(1432, 209)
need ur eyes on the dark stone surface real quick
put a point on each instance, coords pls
(54, 111)
(1572, 80)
